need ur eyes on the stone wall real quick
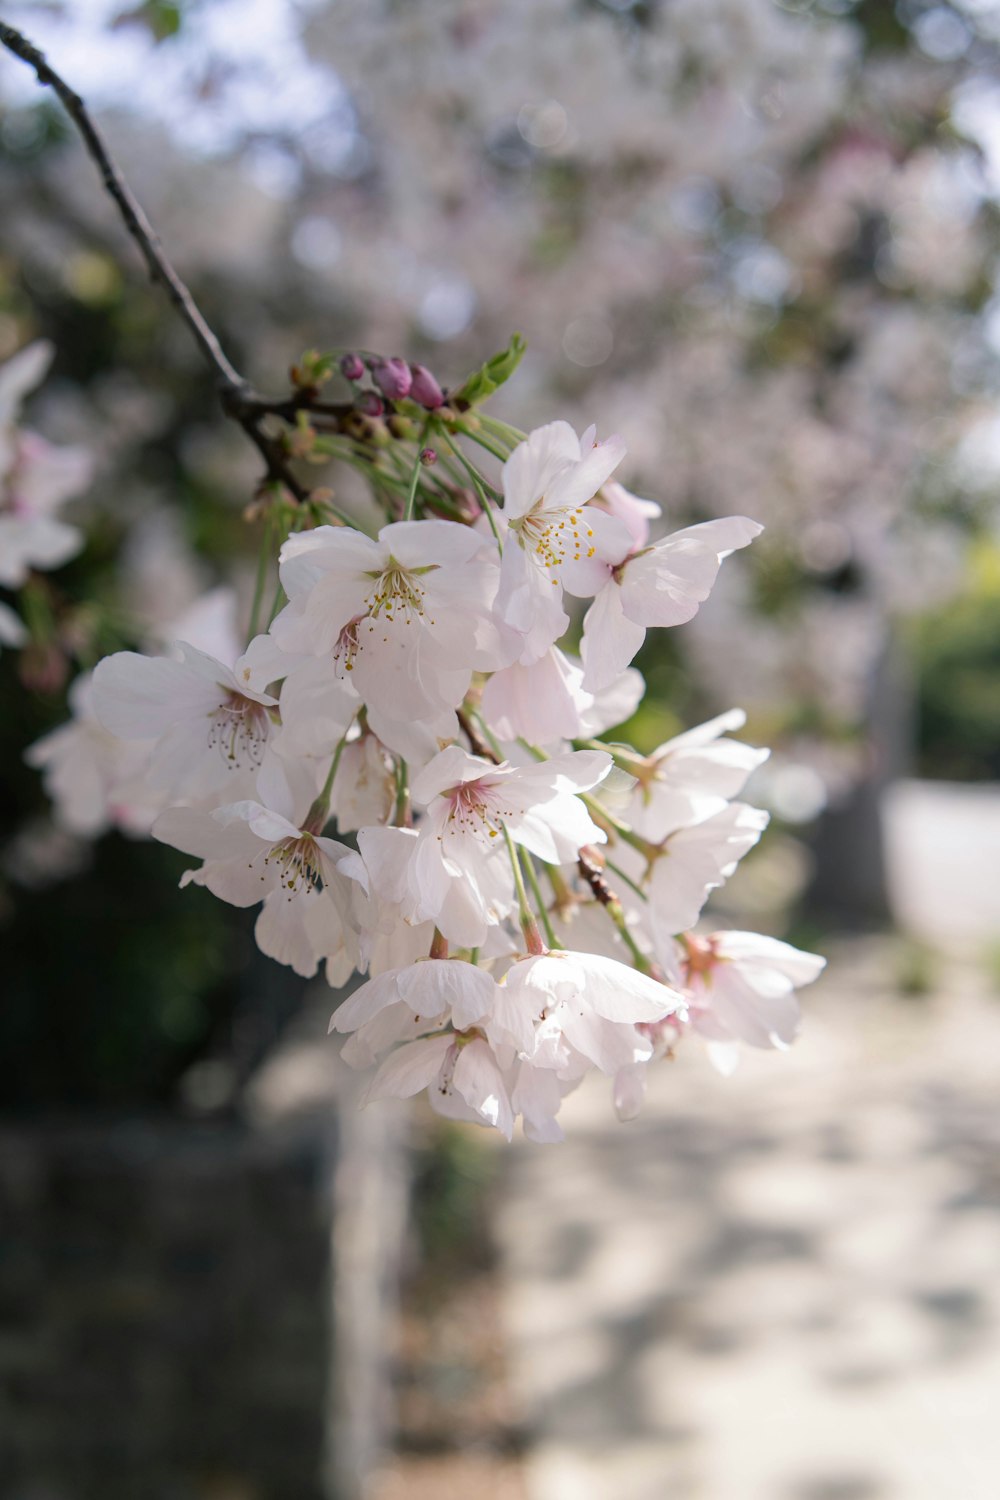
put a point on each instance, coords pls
(175, 1296)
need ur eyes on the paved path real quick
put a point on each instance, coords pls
(781, 1286)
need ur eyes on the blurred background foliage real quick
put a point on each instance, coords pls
(759, 239)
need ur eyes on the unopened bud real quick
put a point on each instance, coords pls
(352, 367)
(43, 668)
(370, 404)
(428, 457)
(425, 389)
(392, 376)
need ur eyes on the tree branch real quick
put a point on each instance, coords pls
(239, 399)
(136, 222)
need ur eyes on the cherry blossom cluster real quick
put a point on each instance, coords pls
(36, 479)
(404, 772)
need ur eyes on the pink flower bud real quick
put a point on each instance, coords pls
(352, 367)
(392, 376)
(371, 404)
(428, 457)
(425, 388)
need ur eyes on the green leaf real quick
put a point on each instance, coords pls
(491, 376)
(161, 18)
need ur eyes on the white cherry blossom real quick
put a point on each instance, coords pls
(407, 615)
(554, 537)
(546, 701)
(741, 988)
(662, 584)
(688, 775)
(95, 779)
(12, 628)
(36, 479)
(264, 851)
(697, 859)
(207, 720)
(460, 875)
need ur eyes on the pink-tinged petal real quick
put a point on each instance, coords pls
(324, 612)
(367, 1002)
(287, 788)
(240, 882)
(529, 600)
(559, 838)
(12, 628)
(384, 1031)
(515, 1010)
(262, 663)
(665, 585)
(40, 541)
(452, 766)
(759, 1020)
(579, 484)
(548, 979)
(703, 734)
(630, 1091)
(422, 544)
(608, 1045)
(196, 832)
(388, 854)
(49, 476)
(542, 702)
(22, 373)
(479, 1081)
(280, 931)
(316, 708)
(620, 993)
(141, 697)
(534, 465)
(613, 704)
(610, 640)
(438, 985)
(537, 1098)
(308, 556)
(635, 513)
(699, 859)
(416, 743)
(611, 544)
(410, 1069)
(560, 775)
(757, 954)
(724, 1057)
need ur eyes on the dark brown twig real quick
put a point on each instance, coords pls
(239, 400)
(477, 743)
(591, 867)
(131, 211)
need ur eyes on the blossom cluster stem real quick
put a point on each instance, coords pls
(263, 565)
(529, 927)
(478, 483)
(411, 494)
(475, 434)
(402, 808)
(543, 911)
(503, 430)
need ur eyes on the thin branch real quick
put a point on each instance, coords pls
(477, 744)
(239, 400)
(136, 222)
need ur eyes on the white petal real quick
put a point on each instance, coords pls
(534, 464)
(438, 985)
(410, 1069)
(479, 1081)
(610, 639)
